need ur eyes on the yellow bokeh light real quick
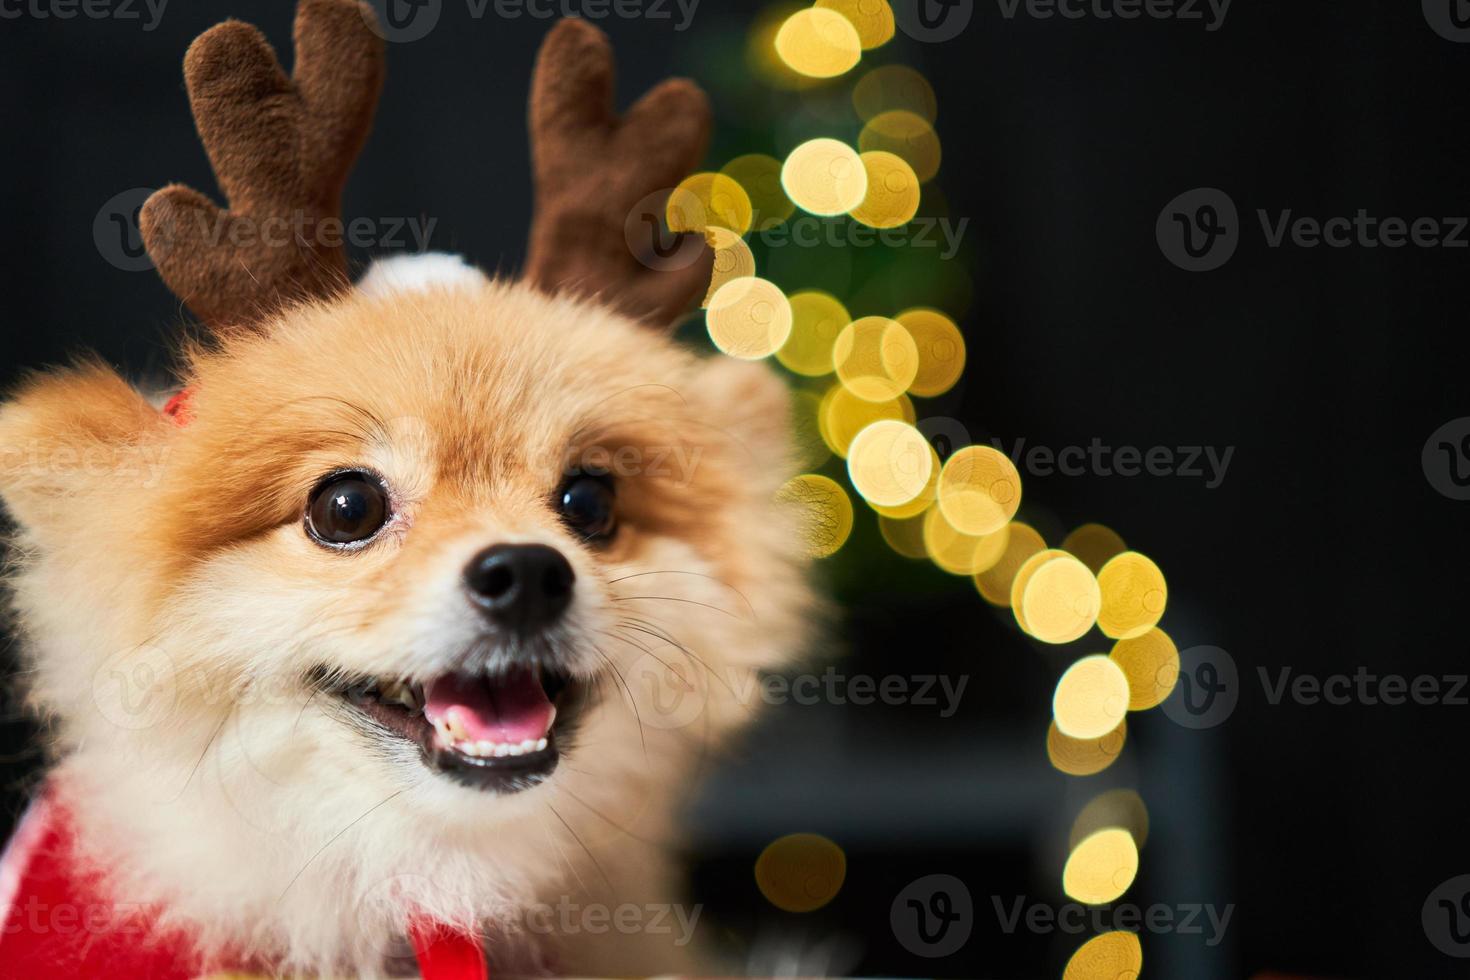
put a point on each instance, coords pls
(760, 177)
(995, 583)
(843, 415)
(1134, 595)
(890, 463)
(873, 19)
(819, 43)
(1120, 808)
(941, 351)
(1101, 868)
(817, 319)
(1022, 579)
(894, 87)
(1084, 756)
(875, 358)
(824, 512)
(760, 48)
(1091, 698)
(800, 872)
(959, 553)
(733, 259)
(825, 176)
(905, 535)
(904, 134)
(1112, 956)
(708, 200)
(1060, 601)
(749, 318)
(893, 191)
(1094, 545)
(979, 489)
(811, 447)
(922, 501)
(1151, 663)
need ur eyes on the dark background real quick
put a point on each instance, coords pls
(1325, 547)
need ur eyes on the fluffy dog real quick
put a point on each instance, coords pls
(421, 605)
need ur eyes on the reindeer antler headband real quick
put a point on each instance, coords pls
(281, 149)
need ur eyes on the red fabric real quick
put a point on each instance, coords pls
(446, 954)
(59, 923)
(177, 407)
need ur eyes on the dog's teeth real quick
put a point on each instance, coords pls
(529, 745)
(541, 745)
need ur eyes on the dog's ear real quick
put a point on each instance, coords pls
(66, 437)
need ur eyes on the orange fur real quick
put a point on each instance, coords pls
(230, 804)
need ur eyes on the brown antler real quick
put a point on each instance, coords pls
(281, 150)
(598, 179)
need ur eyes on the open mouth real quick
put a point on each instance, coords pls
(495, 731)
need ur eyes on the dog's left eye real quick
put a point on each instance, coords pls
(586, 504)
(347, 509)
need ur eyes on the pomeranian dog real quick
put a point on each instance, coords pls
(418, 606)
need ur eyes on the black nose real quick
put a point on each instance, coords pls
(522, 586)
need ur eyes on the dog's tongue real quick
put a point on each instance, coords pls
(510, 708)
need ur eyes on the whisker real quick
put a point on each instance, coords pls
(679, 571)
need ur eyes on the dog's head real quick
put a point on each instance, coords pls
(437, 534)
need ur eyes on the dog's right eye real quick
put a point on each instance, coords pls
(346, 509)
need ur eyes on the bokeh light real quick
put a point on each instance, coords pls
(905, 535)
(873, 19)
(749, 318)
(1022, 579)
(1084, 756)
(1151, 664)
(1101, 867)
(979, 489)
(904, 134)
(812, 449)
(1094, 545)
(922, 501)
(825, 176)
(1134, 595)
(1091, 698)
(893, 191)
(824, 512)
(759, 175)
(894, 87)
(959, 553)
(890, 463)
(995, 583)
(941, 351)
(818, 43)
(708, 200)
(843, 415)
(800, 872)
(1060, 601)
(1121, 808)
(876, 358)
(816, 320)
(733, 259)
(1114, 955)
